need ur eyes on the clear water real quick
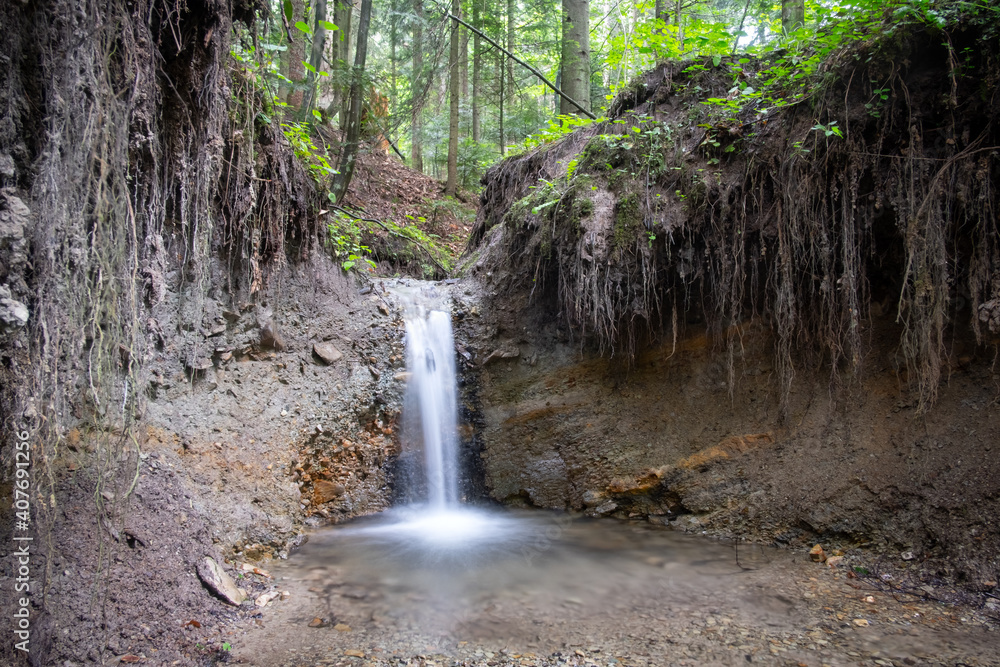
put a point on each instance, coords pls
(431, 408)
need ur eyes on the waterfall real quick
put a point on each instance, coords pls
(431, 402)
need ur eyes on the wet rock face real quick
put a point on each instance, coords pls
(669, 440)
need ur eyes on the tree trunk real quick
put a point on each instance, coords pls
(342, 10)
(793, 15)
(575, 62)
(393, 39)
(477, 21)
(660, 11)
(353, 135)
(454, 74)
(463, 62)
(509, 66)
(296, 55)
(500, 65)
(416, 154)
(315, 59)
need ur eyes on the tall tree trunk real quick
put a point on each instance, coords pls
(342, 10)
(463, 62)
(793, 15)
(660, 11)
(454, 74)
(296, 55)
(501, 60)
(393, 39)
(353, 136)
(416, 129)
(508, 65)
(315, 58)
(477, 21)
(575, 62)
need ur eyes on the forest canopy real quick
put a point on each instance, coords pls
(496, 65)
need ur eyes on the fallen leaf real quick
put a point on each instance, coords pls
(129, 658)
(193, 623)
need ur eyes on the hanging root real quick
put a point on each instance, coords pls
(625, 224)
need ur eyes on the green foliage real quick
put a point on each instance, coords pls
(344, 242)
(556, 128)
(299, 135)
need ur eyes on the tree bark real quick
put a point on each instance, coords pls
(416, 129)
(315, 59)
(342, 10)
(393, 39)
(353, 135)
(477, 21)
(463, 62)
(793, 15)
(454, 74)
(575, 61)
(508, 68)
(296, 55)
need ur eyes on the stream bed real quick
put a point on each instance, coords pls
(477, 587)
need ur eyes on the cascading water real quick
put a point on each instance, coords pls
(431, 402)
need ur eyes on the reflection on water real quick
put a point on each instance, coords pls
(442, 569)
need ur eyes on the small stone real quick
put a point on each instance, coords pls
(869, 599)
(264, 598)
(861, 622)
(384, 309)
(354, 653)
(342, 627)
(834, 561)
(317, 623)
(220, 583)
(326, 491)
(327, 352)
(816, 554)
(907, 555)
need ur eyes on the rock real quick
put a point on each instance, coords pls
(200, 364)
(14, 217)
(834, 561)
(592, 498)
(384, 309)
(327, 352)
(13, 313)
(606, 508)
(270, 338)
(264, 598)
(861, 622)
(342, 627)
(816, 554)
(507, 350)
(907, 555)
(317, 623)
(217, 329)
(7, 166)
(326, 491)
(354, 653)
(220, 583)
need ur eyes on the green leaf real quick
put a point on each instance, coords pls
(309, 67)
(716, 61)
(328, 25)
(288, 10)
(304, 27)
